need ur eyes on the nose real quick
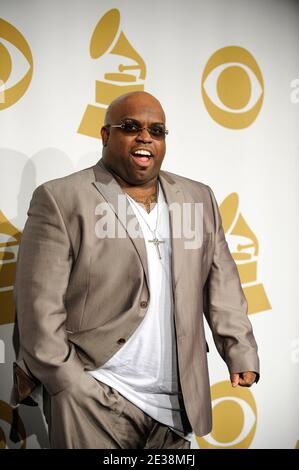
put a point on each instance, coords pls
(143, 135)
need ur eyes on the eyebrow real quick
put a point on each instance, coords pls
(127, 118)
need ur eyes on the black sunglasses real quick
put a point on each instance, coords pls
(132, 128)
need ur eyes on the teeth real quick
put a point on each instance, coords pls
(146, 153)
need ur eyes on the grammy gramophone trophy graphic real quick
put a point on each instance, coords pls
(108, 38)
(10, 238)
(244, 248)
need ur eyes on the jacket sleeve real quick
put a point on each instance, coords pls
(43, 269)
(225, 306)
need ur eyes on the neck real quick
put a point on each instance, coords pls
(146, 194)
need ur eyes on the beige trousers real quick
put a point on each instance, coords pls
(93, 415)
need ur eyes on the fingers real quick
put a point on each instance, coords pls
(244, 379)
(234, 378)
(247, 379)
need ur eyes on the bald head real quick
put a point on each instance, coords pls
(123, 101)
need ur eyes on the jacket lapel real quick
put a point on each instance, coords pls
(110, 190)
(175, 199)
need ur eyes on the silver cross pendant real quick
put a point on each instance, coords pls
(157, 242)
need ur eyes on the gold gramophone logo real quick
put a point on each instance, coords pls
(232, 87)
(10, 238)
(234, 418)
(10, 421)
(11, 93)
(108, 38)
(244, 248)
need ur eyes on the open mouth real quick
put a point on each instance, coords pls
(142, 157)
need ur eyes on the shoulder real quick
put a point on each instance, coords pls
(68, 195)
(187, 184)
(74, 181)
(66, 186)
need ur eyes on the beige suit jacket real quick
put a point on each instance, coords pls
(80, 297)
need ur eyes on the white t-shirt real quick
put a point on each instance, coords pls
(144, 370)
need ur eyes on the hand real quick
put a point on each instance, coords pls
(244, 379)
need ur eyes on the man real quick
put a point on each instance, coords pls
(110, 300)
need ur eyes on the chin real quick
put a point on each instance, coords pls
(144, 177)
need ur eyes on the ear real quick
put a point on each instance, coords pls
(105, 135)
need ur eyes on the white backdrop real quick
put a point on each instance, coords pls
(41, 139)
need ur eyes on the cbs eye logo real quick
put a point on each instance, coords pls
(232, 87)
(12, 88)
(234, 418)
